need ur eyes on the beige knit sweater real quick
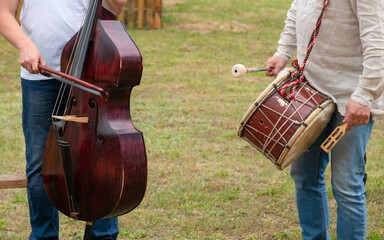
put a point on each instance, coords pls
(347, 60)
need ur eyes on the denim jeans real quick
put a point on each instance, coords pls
(347, 169)
(39, 98)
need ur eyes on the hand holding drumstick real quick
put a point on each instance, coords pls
(272, 67)
(356, 114)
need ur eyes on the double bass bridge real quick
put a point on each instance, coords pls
(72, 118)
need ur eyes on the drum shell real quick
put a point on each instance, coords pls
(282, 130)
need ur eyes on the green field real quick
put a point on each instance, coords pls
(204, 182)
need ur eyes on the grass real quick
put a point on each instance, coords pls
(203, 181)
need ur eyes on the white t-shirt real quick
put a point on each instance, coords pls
(50, 25)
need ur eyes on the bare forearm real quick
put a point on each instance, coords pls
(30, 56)
(9, 28)
(115, 6)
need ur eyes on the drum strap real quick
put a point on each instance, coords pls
(297, 76)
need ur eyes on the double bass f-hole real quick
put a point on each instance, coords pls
(63, 121)
(94, 108)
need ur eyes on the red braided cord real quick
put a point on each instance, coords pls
(297, 75)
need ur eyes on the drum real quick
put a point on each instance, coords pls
(282, 130)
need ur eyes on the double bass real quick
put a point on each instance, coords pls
(95, 163)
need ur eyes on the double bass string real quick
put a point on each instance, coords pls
(77, 56)
(86, 31)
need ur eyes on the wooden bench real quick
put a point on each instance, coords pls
(12, 181)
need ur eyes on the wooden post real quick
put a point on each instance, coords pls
(121, 16)
(12, 181)
(131, 13)
(149, 10)
(157, 14)
(18, 11)
(140, 14)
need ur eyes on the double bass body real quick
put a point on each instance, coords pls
(98, 169)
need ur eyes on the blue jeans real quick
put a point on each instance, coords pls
(38, 101)
(348, 169)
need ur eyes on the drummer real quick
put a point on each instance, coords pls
(347, 64)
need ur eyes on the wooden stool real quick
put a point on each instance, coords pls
(12, 181)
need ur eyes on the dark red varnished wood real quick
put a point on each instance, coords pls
(271, 125)
(108, 153)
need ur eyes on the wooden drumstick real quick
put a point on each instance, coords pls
(333, 138)
(239, 70)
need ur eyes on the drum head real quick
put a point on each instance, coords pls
(306, 136)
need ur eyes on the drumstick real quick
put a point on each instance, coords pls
(333, 138)
(239, 70)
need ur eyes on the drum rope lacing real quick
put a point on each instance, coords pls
(289, 119)
(297, 76)
(276, 137)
